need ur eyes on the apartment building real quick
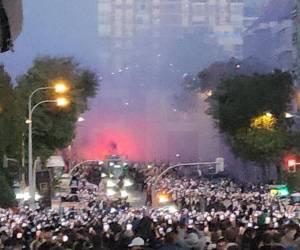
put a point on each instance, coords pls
(296, 41)
(269, 38)
(122, 20)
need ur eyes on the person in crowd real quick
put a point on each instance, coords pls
(74, 183)
(137, 243)
(210, 214)
(171, 242)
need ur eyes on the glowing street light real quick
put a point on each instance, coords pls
(289, 115)
(60, 87)
(163, 198)
(80, 119)
(269, 114)
(62, 102)
(209, 93)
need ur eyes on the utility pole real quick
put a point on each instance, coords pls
(23, 182)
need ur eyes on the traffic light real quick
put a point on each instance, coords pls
(292, 169)
(290, 163)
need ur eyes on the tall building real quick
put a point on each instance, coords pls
(124, 19)
(296, 41)
(252, 10)
(11, 19)
(269, 38)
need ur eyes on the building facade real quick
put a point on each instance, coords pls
(296, 41)
(269, 38)
(124, 19)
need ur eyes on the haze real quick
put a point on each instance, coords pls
(141, 110)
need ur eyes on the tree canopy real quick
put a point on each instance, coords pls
(54, 127)
(210, 77)
(250, 111)
(10, 136)
(8, 115)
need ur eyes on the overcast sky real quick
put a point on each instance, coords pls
(54, 27)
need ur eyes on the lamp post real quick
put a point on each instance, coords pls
(59, 88)
(289, 115)
(219, 168)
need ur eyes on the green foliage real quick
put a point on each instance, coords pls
(293, 180)
(7, 196)
(260, 145)
(210, 78)
(7, 111)
(10, 128)
(237, 100)
(54, 127)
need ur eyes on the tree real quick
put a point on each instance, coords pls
(210, 77)
(262, 146)
(249, 110)
(8, 115)
(239, 99)
(7, 196)
(54, 127)
(9, 137)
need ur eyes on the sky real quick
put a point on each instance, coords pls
(56, 28)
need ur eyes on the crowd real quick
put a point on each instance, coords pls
(206, 214)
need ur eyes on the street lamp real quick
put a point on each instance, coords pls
(268, 114)
(60, 87)
(60, 102)
(289, 115)
(80, 119)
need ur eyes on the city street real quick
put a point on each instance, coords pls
(149, 125)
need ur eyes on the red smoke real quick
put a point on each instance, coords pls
(99, 142)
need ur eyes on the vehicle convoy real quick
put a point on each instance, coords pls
(115, 176)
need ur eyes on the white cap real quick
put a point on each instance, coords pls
(138, 241)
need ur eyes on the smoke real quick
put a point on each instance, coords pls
(142, 110)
